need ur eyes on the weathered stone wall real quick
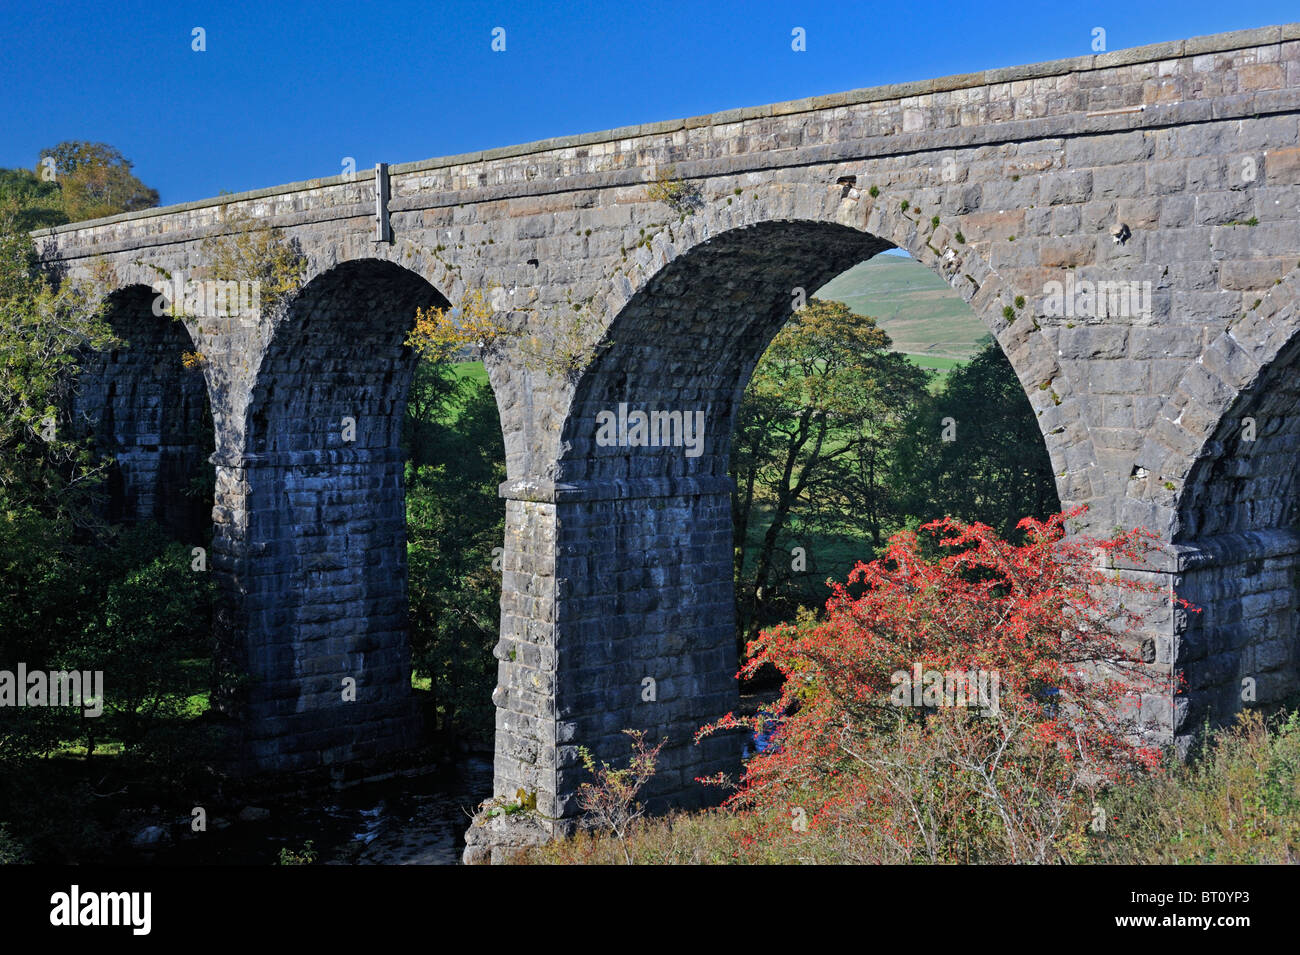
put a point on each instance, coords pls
(1188, 151)
(1241, 647)
(1233, 426)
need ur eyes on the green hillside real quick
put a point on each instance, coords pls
(473, 370)
(920, 311)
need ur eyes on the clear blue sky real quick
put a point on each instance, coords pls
(285, 90)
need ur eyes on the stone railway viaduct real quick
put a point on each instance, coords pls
(617, 561)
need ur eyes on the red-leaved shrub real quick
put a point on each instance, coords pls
(892, 773)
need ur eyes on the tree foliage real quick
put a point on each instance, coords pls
(995, 469)
(95, 180)
(76, 593)
(45, 328)
(455, 519)
(33, 203)
(812, 446)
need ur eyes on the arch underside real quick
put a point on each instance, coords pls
(1237, 525)
(142, 407)
(1245, 479)
(319, 567)
(692, 336)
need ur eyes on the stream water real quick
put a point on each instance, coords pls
(413, 820)
(418, 819)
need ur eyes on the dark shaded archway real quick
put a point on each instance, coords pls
(1238, 537)
(148, 411)
(312, 524)
(692, 337)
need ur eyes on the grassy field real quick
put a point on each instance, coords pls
(922, 314)
(934, 362)
(473, 370)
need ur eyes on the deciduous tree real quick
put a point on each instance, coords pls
(813, 442)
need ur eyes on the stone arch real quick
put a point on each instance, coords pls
(636, 550)
(1194, 455)
(312, 521)
(451, 280)
(1243, 480)
(143, 407)
(1218, 478)
(338, 350)
(883, 220)
(690, 336)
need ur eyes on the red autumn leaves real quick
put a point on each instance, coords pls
(1054, 626)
